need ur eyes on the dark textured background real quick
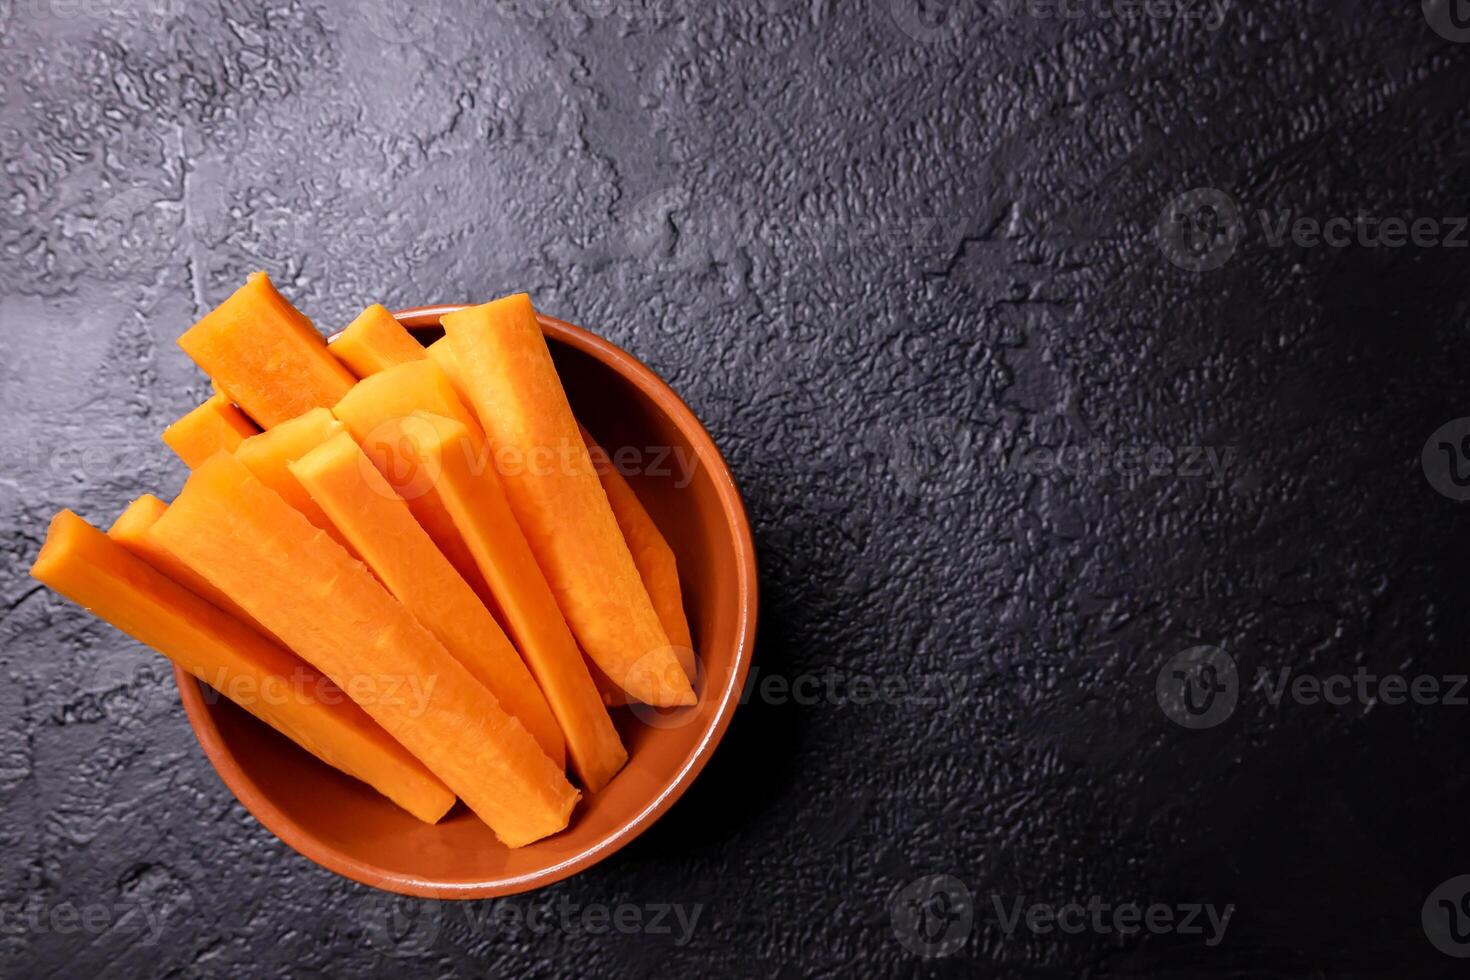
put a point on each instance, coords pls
(880, 253)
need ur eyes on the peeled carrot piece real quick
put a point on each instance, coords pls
(443, 355)
(656, 566)
(205, 430)
(371, 411)
(397, 392)
(266, 355)
(375, 341)
(651, 553)
(655, 560)
(131, 531)
(271, 683)
(233, 530)
(383, 530)
(270, 454)
(473, 495)
(557, 499)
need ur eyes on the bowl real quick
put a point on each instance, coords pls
(345, 826)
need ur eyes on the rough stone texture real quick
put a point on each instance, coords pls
(880, 251)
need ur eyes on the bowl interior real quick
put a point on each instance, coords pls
(348, 827)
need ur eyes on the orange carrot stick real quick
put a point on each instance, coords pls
(375, 341)
(267, 356)
(372, 409)
(131, 531)
(472, 494)
(382, 529)
(443, 355)
(233, 530)
(558, 500)
(277, 687)
(269, 456)
(651, 553)
(205, 430)
(655, 560)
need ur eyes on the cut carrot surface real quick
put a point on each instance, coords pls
(474, 498)
(652, 555)
(270, 454)
(383, 531)
(236, 532)
(213, 426)
(131, 531)
(375, 341)
(372, 411)
(559, 502)
(277, 687)
(266, 355)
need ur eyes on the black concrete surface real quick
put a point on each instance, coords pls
(895, 257)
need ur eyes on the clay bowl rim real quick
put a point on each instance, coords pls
(333, 859)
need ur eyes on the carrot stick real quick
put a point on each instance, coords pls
(268, 357)
(651, 553)
(131, 531)
(93, 571)
(443, 355)
(269, 456)
(557, 499)
(372, 409)
(505, 574)
(233, 530)
(382, 529)
(655, 560)
(471, 492)
(375, 341)
(212, 426)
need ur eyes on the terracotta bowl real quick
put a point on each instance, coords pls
(345, 826)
